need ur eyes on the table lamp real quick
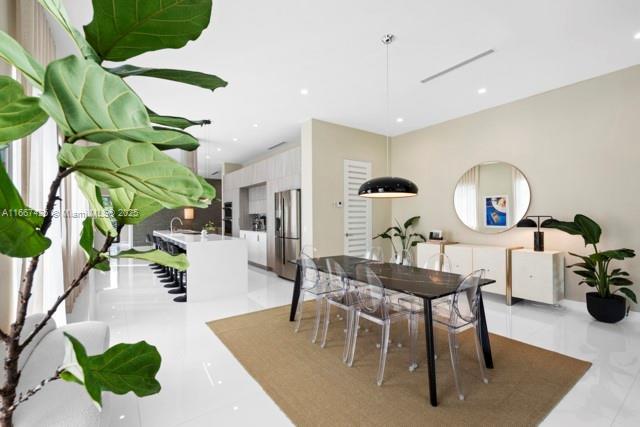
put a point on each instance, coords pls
(538, 236)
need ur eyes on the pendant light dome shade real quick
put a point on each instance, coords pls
(388, 187)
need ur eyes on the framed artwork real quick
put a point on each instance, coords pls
(496, 210)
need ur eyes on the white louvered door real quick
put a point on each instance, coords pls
(357, 210)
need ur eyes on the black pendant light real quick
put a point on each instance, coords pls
(388, 186)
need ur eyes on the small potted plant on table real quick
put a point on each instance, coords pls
(607, 303)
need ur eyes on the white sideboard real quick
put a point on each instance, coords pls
(538, 276)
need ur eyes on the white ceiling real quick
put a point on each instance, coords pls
(269, 50)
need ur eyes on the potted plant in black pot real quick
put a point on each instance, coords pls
(607, 304)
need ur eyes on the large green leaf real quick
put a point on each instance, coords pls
(591, 231)
(618, 254)
(175, 122)
(98, 212)
(58, 11)
(138, 167)
(20, 115)
(122, 29)
(14, 54)
(581, 226)
(123, 368)
(194, 78)
(208, 191)
(628, 293)
(178, 262)
(86, 243)
(20, 235)
(89, 103)
(411, 222)
(131, 208)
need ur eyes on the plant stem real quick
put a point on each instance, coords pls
(3, 336)
(29, 393)
(74, 284)
(12, 373)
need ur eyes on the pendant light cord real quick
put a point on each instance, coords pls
(388, 107)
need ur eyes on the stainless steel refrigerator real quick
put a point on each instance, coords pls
(287, 225)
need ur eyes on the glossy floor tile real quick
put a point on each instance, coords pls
(204, 385)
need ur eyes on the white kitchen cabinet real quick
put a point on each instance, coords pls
(257, 246)
(538, 276)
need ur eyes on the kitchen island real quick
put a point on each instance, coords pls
(217, 264)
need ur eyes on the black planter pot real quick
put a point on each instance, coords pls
(609, 310)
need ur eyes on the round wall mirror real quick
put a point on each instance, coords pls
(492, 197)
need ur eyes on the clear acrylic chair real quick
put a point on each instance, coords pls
(438, 262)
(344, 299)
(461, 315)
(316, 284)
(375, 306)
(375, 253)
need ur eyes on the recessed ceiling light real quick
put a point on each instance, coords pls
(218, 149)
(637, 36)
(482, 91)
(304, 91)
(235, 139)
(255, 125)
(399, 120)
(207, 157)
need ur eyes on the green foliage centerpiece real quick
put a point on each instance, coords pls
(122, 155)
(408, 239)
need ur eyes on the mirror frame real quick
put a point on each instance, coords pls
(484, 163)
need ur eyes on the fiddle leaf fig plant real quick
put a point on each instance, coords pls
(121, 156)
(403, 232)
(596, 270)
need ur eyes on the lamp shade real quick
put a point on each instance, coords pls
(527, 222)
(388, 187)
(189, 213)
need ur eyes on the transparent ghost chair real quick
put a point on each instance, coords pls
(375, 253)
(345, 299)
(461, 313)
(438, 262)
(317, 285)
(374, 305)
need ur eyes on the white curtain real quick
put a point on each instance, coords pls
(35, 165)
(521, 194)
(465, 197)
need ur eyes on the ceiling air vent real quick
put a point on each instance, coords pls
(277, 145)
(459, 65)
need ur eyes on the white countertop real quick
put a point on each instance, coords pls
(255, 231)
(191, 238)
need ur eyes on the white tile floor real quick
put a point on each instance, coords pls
(204, 385)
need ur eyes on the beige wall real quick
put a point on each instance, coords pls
(579, 147)
(325, 146)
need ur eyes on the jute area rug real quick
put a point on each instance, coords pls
(314, 388)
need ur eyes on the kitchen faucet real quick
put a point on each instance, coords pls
(171, 223)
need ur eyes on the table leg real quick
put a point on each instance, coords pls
(296, 294)
(431, 360)
(484, 333)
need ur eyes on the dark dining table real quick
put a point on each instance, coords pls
(419, 282)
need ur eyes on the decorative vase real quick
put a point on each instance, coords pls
(611, 309)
